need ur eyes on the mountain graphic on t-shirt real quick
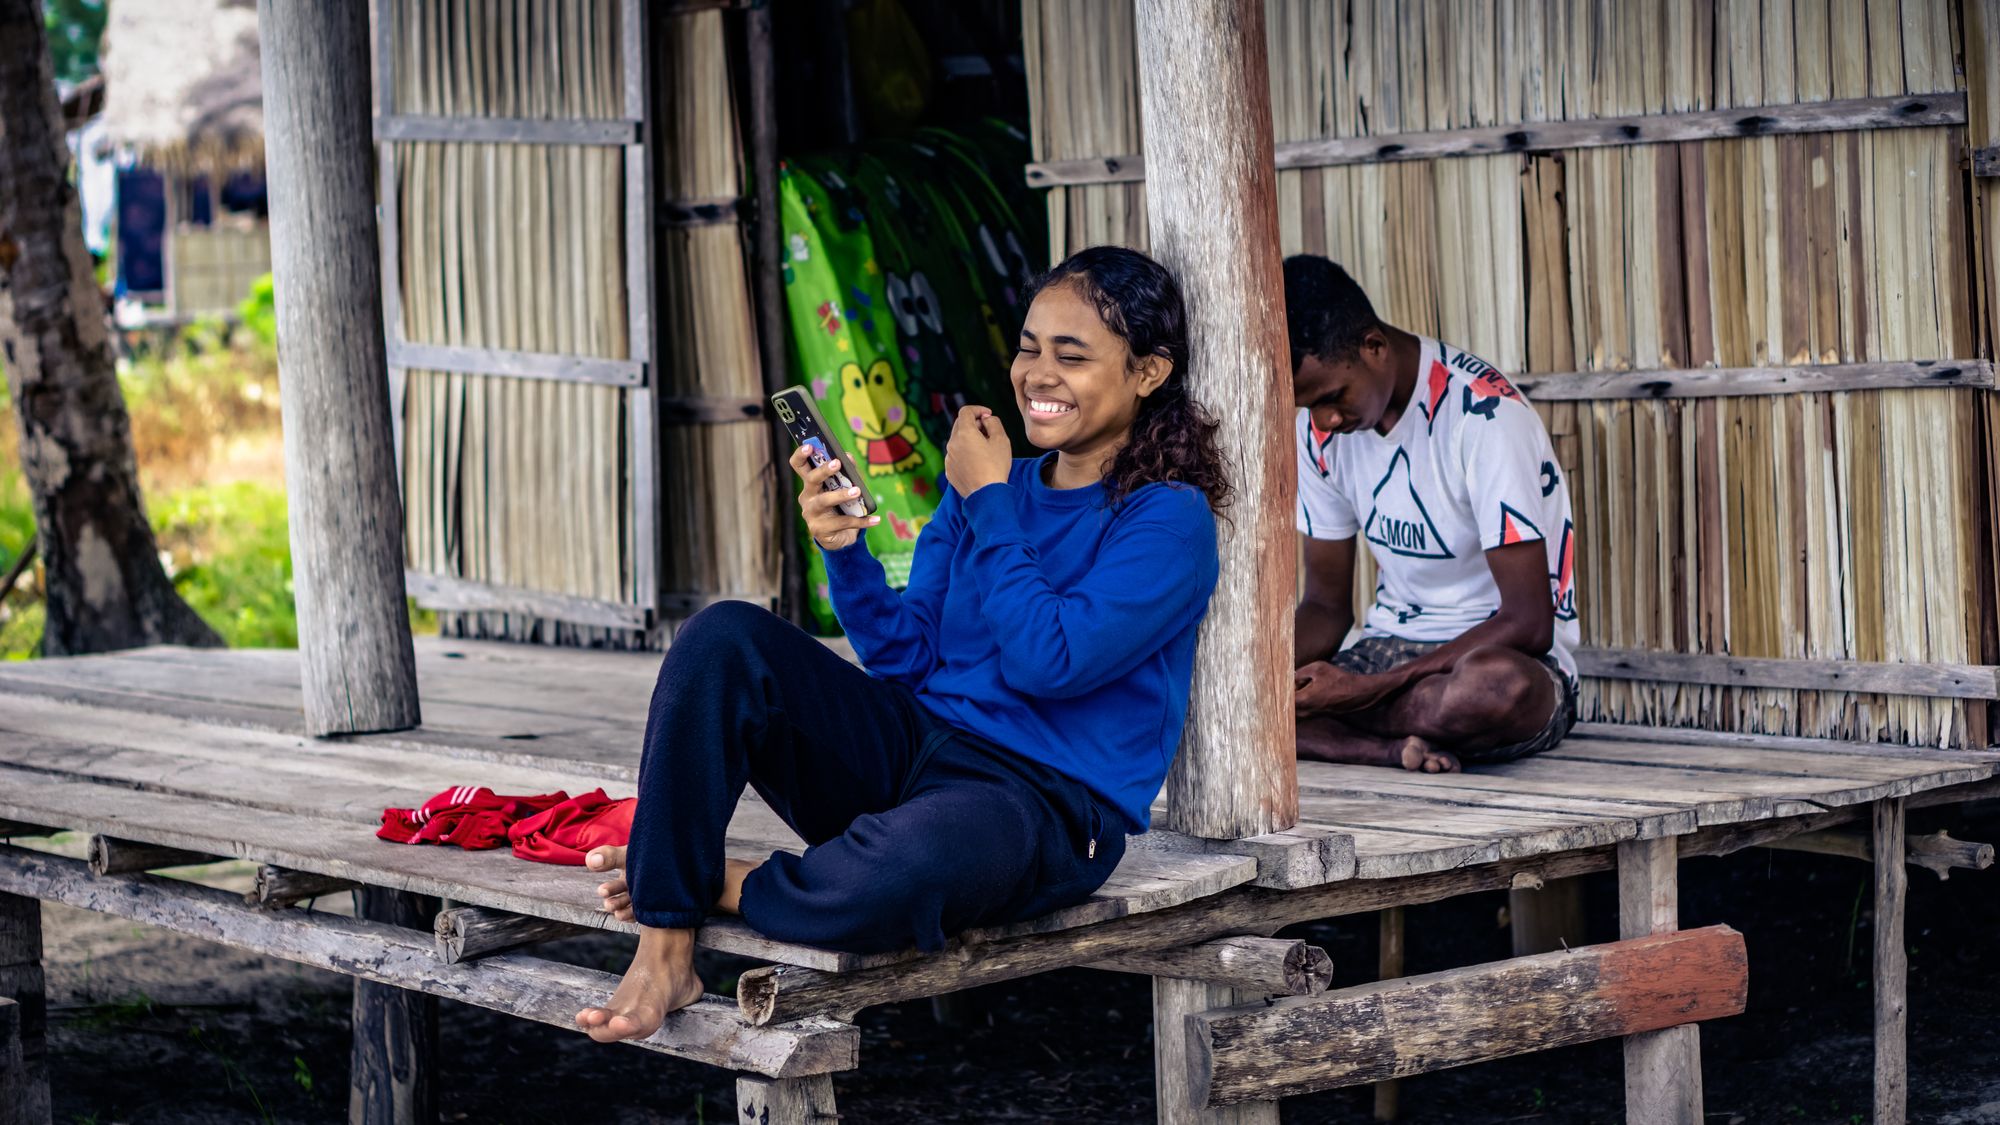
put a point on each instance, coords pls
(1398, 522)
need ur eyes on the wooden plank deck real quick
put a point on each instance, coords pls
(202, 749)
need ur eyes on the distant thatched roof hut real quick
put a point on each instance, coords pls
(184, 84)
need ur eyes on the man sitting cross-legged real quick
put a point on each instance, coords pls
(1434, 458)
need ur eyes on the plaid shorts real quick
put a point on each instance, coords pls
(1379, 653)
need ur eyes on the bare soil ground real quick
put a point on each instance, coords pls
(154, 1028)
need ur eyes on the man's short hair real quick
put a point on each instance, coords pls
(1328, 313)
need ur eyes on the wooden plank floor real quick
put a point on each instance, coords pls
(203, 749)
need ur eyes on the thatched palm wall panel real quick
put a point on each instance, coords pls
(1827, 526)
(517, 247)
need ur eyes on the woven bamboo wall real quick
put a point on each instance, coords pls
(1830, 526)
(528, 483)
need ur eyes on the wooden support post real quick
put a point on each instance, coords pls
(1389, 966)
(112, 856)
(1415, 1025)
(468, 932)
(1205, 106)
(1253, 965)
(1662, 1068)
(772, 319)
(1205, 96)
(26, 1084)
(786, 1101)
(1546, 918)
(395, 1031)
(358, 668)
(1175, 1004)
(13, 1066)
(1892, 1093)
(282, 886)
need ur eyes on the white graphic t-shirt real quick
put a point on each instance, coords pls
(1467, 468)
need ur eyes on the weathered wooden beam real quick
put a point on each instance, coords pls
(1946, 681)
(1300, 856)
(281, 886)
(1545, 917)
(506, 130)
(26, 1081)
(636, 47)
(1937, 853)
(610, 372)
(1394, 1029)
(1205, 100)
(437, 591)
(11, 828)
(1551, 136)
(395, 1045)
(111, 856)
(789, 1101)
(359, 670)
(466, 933)
(1662, 1063)
(1389, 966)
(1892, 1067)
(1179, 1101)
(1728, 382)
(710, 1031)
(1270, 966)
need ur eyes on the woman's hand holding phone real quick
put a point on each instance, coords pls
(831, 528)
(978, 453)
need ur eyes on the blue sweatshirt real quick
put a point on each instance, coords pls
(1048, 622)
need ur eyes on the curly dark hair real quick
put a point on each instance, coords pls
(1326, 310)
(1173, 438)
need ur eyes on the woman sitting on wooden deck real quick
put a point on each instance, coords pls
(1024, 695)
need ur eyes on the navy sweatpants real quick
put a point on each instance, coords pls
(915, 830)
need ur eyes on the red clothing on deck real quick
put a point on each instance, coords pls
(549, 828)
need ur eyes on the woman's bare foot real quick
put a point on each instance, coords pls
(1419, 756)
(661, 980)
(615, 893)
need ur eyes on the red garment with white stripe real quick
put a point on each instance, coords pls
(548, 828)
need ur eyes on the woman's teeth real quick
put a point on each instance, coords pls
(1047, 406)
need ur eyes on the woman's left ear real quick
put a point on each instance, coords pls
(1153, 374)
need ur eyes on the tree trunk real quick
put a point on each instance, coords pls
(106, 589)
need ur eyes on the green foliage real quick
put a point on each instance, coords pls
(237, 571)
(259, 312)
(76, 30)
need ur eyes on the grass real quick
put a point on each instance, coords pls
(210, 451)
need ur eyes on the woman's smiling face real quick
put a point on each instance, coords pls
(1072, 376)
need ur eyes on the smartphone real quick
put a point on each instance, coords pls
(801, 419)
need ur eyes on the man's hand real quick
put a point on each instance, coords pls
(978, 453)
(1322, 689)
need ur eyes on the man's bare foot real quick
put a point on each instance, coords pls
(1419, 756)
(661, 980)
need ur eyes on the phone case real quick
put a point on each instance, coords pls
(802, 420)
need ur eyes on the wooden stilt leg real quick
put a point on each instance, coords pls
(27, 1087)
(788, 1101)
(395, 1031)
(1389, 966)
(1892, 1091)
(1173, 1001)
(1662, 1068)
(1546, 919)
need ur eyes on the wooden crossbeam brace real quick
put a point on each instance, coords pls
(11, 828)
(1394, 1029)
(1937, 853)
(466, 933)
(709, 1031)
(281, 886)
(1272, 966)
(110, 855)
